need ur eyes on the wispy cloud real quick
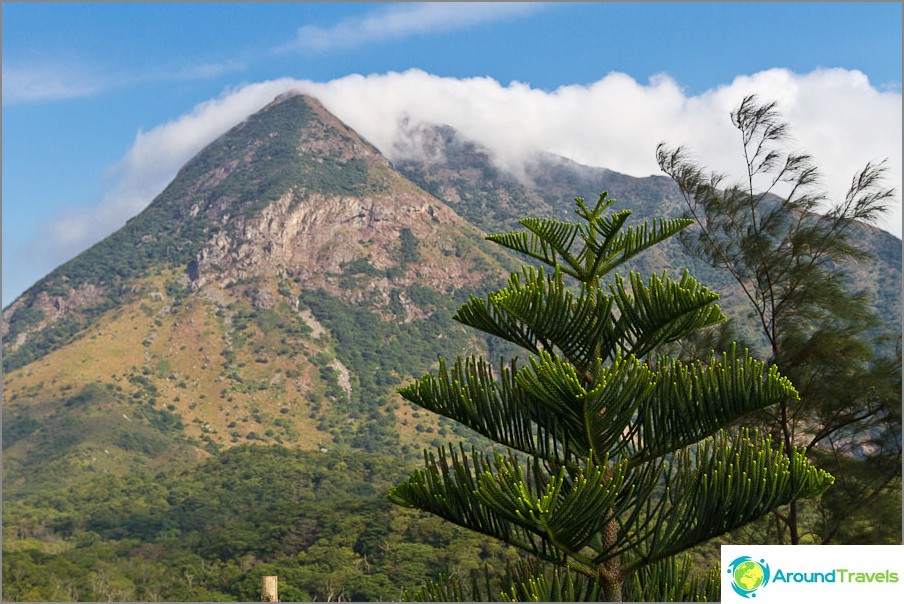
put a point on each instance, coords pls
(47, 82)
(406, 19)
(200, 71)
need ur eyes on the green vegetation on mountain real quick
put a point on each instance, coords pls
(361, 344)
(209, 532)
(284, 147)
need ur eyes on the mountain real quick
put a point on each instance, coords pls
(462, 173)
(291, 192)
(179, 398)
(252, 301)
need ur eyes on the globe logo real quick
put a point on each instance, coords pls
(748, 575)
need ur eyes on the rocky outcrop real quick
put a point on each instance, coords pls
(316, 237)
(46, 309)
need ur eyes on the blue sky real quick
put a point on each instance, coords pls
(102, 102)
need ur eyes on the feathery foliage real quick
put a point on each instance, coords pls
(617, 457)
(790, 250)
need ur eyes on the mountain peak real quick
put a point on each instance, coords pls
(290, 192)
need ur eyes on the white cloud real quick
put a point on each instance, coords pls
(200, 71)
(61, 81)
(836, 115)
(46, 83)
(614, 123)
(403, 20)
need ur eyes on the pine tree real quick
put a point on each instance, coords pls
(616, 459)
(790, 250)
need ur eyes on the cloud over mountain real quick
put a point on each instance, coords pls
(615, 122)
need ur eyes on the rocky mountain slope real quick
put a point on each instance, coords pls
(276, 291)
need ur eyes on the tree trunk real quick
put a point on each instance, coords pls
(610, 577)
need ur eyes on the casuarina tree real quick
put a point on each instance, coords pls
(613, 459)
(791, 252)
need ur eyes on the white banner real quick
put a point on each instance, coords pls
(799, 573)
